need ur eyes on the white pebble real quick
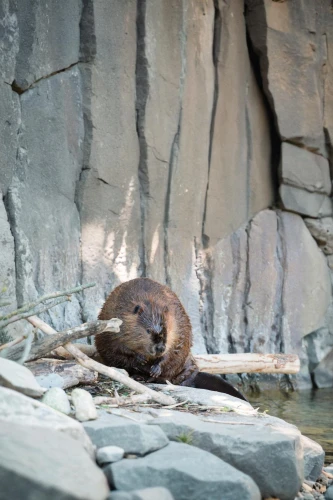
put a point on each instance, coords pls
(109, 454)
(84, 405)
(57, 399)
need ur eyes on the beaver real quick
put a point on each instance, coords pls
(155, 337)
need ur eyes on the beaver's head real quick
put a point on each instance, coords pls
(149, 328)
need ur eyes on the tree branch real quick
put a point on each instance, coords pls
(104, 370)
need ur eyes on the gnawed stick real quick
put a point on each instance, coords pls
(248, 363)
(42, 347)
(65, 373)
(38, 310)
(104, 370)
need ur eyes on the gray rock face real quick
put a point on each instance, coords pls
(323, 374)
(329, 493)
(303, 169)
(314, 457)
(134, 438)
(322, 231)
(49, 39)
(109, 454)
(44, 185)
(108, 191)
(19, 409)
(187, 472)
(57, 399)
(270, 454)
(33, 461)
(18, 377)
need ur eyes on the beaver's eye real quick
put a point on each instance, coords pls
(149, 331)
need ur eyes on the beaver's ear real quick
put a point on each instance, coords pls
(138, 310)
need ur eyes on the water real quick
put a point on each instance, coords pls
(311, 411)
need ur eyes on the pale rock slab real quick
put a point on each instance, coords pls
(33, 461)
(314, 457)
(19, 378)
(19, 409)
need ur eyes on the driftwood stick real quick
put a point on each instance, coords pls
(248, 363)
(42, 347)
(105, 370)
(66, 373)
(37, 310)
(12, 342)
(31, 305)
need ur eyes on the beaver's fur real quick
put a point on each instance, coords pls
(155, 337)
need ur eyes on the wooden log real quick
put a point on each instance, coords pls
(248, 363)
(42, 347)
(58, 373)
(112, 373)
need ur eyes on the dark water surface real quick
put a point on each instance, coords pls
(311, 411)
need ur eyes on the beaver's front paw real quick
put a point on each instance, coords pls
(141, 359)
(155, 371)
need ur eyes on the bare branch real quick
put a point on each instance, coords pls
(104, 370)
(12, 342)
(44, 346)
(38, 310)
(31, 305)
(248, 363)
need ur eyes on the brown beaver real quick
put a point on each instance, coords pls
(155, 337)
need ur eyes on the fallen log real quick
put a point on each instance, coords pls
(44, 346)
(248, 363)
(104, 370)
(57, 373)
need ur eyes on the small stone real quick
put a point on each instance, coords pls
(85, 408)
(109, 455)
(57, 399)
(145, 494)
(19, 378)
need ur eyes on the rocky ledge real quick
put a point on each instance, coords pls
(208, 445)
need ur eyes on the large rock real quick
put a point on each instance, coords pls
(18, 377)
(41, 198)
(303, 169)
(314, 457)
(288, 36)
(49, 39)
(108, 191)
(187, 472)
(19, 409)
(45, 464)
(133, 437)
(269, 453)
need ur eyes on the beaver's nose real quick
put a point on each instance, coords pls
(159, 348)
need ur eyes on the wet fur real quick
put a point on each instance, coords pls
(155, 338)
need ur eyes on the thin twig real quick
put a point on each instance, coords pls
(31, 305)
(112, 373)
(33, 312)
(12, 342)
(27, 348)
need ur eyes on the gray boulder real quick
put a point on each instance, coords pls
(134, 438)
(270, 454)
(18, 377)
(145, 494)
(19, 409)
(43, 464)
(329, 493)
(314, 457)
(189, 473)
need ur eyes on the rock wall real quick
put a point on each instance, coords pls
(188, 141)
